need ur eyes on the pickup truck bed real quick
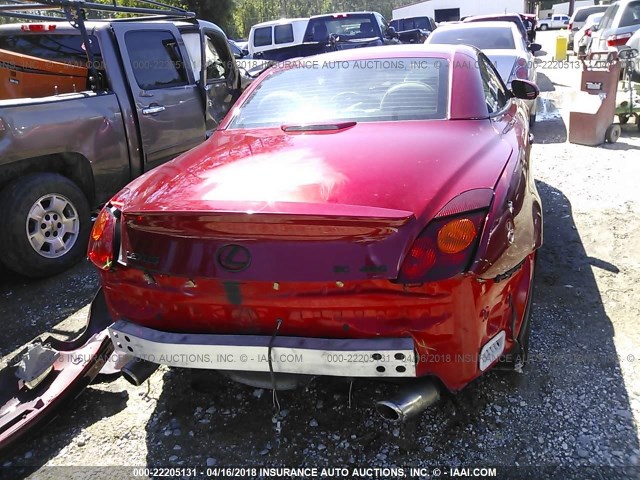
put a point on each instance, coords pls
(26, 76)
(73, 132)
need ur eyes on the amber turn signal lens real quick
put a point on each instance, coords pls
(100, 224)
(456, 235)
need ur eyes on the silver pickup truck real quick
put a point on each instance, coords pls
(85, 107)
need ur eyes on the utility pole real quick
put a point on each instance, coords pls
(572, 4)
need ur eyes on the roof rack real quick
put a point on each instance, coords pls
(75, 12)
(58, 9)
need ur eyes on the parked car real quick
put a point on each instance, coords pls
(502, 43)
(582, 38)
(284, 39)
(634, 42)
(579, 18)
(329, 217)
(620, 21)
(77, 123)
(413, 29)
(553, 22)
(278, 39)
(514, 18)
(237, 50)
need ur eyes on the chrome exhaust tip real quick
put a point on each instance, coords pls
(137, 371)
(409, 402)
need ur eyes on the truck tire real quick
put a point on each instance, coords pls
(44, 224)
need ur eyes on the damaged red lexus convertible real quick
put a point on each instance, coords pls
(367, 213)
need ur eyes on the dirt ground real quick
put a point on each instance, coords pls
(572, 414)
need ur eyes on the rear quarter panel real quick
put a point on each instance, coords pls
(84, 123)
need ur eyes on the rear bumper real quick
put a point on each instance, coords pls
(371, 358)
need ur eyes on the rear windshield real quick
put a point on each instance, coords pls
(311, 92)
(581, 15)
(482, 38)
(347, 27)
(417, 22)
(60, 48)
(631, 15)
(608, 17)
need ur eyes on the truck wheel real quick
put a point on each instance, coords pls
(543, 26)
(44, 224)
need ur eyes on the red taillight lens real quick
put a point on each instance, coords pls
(446, 247)
(570, 26)
(618, 40)
(443, 249)
(587, 32)
(520, 70)
(419, 260)
(522, 73)
(102, 239)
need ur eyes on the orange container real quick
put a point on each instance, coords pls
(23, 76)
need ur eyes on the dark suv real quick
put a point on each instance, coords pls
(413, 29)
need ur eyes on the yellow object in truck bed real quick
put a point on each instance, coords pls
(23, 76)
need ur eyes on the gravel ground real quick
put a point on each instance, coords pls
(574, 408)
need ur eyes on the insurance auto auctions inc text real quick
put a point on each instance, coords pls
(356, 472)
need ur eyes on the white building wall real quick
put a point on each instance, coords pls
(563, 8)
(467, 7)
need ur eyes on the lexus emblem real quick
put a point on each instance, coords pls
(234, 258)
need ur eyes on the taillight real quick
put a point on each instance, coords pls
(446, 246)
(570, 27)
(520, 70)
(37, 27)
(102, 240)
(618, 40)
(587, 32)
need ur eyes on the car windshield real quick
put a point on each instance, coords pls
(482, 38)
(314, 92)
(346, 26)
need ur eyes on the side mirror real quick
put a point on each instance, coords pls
(237, 55)
(535, 47)
(524, 89)
(391, 32)
(245, 52)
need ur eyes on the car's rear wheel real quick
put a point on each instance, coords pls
(518, 357)
(44, 224)
(544, 26)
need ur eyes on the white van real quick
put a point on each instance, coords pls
(276, 34)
